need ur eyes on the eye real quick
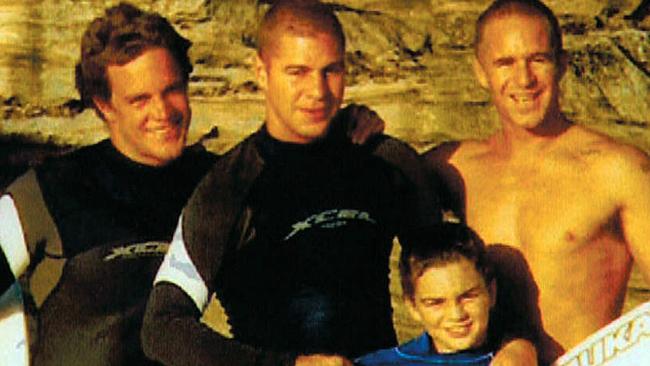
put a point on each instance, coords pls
(539, 59)
(504, 62)
(176, 88)
(432, 302)
(335, 69)
(296, 70)
(470, 295)
(139, 101)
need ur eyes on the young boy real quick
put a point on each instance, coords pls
(449, 288)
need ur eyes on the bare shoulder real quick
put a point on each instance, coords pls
(607, 150)
(615, 162)
(456, 152)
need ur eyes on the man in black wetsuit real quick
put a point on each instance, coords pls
(86, 232)
(293, 228)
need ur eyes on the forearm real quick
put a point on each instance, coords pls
(172, 334)
(516, 352)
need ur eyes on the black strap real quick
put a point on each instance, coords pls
(6, 276)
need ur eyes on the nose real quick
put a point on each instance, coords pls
(525, 77)
(457, 311)
(161, 109)
(318, 86)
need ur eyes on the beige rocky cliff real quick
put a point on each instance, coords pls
(408, 59)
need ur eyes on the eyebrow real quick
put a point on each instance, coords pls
(137, 97)
(180, 83)
(335, 64)
(472, 289)
(510, 59)
(434, 297)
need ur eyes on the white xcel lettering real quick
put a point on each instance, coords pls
(330, 219)
(148, 249)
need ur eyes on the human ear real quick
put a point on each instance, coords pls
(479, 72)
(492, 290)
(105, 108)
(260, 72)
(410, 305)
(563, 64)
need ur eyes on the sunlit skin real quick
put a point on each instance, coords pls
(303, 78)
(148, 114)
(453, 302)
(520, 70)
(573, 202)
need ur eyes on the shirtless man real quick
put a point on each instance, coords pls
(574, 203)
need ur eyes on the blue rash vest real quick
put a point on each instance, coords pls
(418, 352)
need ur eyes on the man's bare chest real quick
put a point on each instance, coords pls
(536, 208)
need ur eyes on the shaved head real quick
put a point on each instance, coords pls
(532, 8)
(299, 18)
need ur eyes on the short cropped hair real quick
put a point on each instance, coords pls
(437, 245)
(534, 8)
(118, 37)
(298, 17)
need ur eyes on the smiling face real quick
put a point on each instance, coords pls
(303, 77)
(148, 114)
(517, 64)
(453, 304)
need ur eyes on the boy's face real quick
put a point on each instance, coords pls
(452, 302)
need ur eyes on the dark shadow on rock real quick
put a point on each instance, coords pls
(641, 11)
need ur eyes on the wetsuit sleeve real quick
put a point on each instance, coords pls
(14, 257)
(172, 332)
(446, 180)
(420, 201)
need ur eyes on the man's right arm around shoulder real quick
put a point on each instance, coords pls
(172, 332)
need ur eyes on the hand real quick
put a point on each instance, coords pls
(364, 123)
(518, 352)
(322, 360)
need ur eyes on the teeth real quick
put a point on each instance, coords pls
(159, 129)
(524, 98)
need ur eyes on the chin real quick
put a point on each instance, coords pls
(169, 154)
(526, 122)
(317, 132)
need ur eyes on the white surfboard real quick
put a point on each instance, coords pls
(623, 342)
(13, 342)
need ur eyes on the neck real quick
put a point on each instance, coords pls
(513, 139)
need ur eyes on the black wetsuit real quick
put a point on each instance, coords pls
(96, 226)
(295, 241)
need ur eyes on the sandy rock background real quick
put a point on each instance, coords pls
(408, 59)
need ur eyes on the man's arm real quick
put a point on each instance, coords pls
(360, 122)
(446, 180)
(173, 335)
(631, 181)
(515, 353)
(172, 332)
(14, 257)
